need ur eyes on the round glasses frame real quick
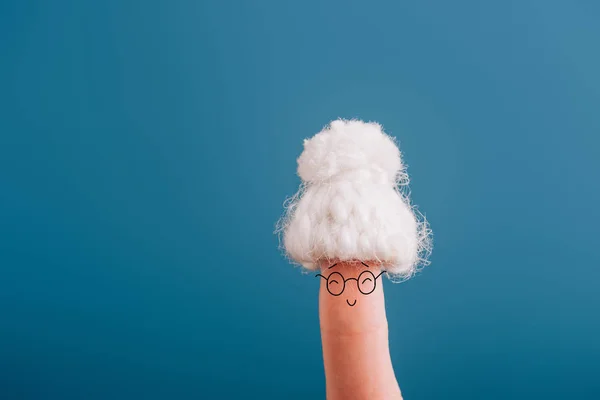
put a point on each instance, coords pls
(336, 277)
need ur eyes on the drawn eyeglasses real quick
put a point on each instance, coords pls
(336, 283)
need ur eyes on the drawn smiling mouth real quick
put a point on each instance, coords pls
(351, 305)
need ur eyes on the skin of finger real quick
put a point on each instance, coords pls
(355, 339)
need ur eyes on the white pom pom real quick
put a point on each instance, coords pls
(350, 207)
(349, 146)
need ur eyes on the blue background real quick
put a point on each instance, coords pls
(146, 149)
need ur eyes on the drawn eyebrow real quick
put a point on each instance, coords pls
(337, 264)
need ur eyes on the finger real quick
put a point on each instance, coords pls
(354, 333)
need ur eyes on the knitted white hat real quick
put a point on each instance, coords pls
(350, 206)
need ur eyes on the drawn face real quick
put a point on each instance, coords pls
(366, 282)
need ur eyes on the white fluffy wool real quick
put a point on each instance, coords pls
(351, 205)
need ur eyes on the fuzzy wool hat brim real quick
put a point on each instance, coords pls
(351, 205)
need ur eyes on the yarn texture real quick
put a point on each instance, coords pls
(354, 204)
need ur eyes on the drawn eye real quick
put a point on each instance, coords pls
(366, 282)
(335, 283)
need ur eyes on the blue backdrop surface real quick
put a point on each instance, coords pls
(146, 148)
